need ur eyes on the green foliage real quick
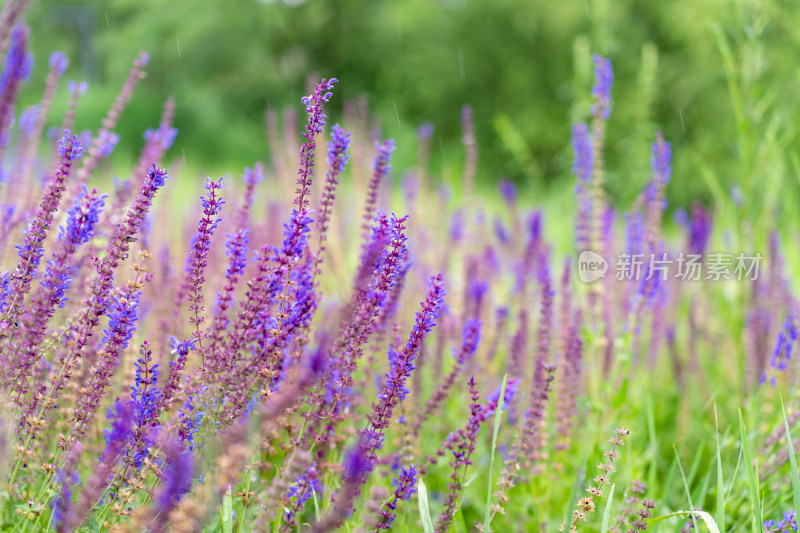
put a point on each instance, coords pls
(718, 78)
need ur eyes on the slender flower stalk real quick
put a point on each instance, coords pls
(471, 149)
(462, 448)
(656, 192)
(105, 136)
(337, 161)
(58, 64)
(212, 205)
(158, 141)
(587, 504)
(582, 168)
(380, 168)
(17, 69)
(236, 248)
(471, 339)
(405, 486)
(601, 111)
(394, 389)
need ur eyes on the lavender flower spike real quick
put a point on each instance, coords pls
(212, 204)
(18, 65)
(97, 302)
(394, 389)
(582, 168)
(380, 168)
(337, 161)
(405, 484)
(604, 77)
(31, 251)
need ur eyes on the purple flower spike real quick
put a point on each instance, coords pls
(27, 119)
(405, 486)
(82, 217)
(604, 77)
(212, 204)
(394, 389)
(582, 168)
(17, 69)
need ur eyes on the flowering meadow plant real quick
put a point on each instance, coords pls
(296, 356)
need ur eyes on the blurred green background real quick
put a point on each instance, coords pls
(719, 77)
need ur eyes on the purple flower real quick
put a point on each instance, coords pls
(660, 161)
(82, 217)
(508, 189)
(787, 525)
(212, 205)
(121, 320)
(18, 66)
(177, 473)
(782, 354)
(30, 251)
(27, 120)
(699, 229)
(182, 348)
(190, 418)
(601, 90)
(300, 491)
(425, 131)
(512, 386)
(394, 389)
(69, 148)
(59, 62)
(75, 87)
(106, 142)
(117, 435)
(582, 168)
(380, 168)
(405, 486)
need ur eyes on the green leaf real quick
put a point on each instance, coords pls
(424, 510)
(316, 503)
(751, 478)
(487, 513)
(720, 511)
(607, 511)
(710, 524)
(792, 460)
(227, 512)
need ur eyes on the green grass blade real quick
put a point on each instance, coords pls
(227, 512)
(686, 486)
(607, 511)
(792, 460)
(424, 510)
(751, 478)
(487, 513)
(720, 511)
(316, 503)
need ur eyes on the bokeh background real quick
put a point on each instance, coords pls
(720, 78)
